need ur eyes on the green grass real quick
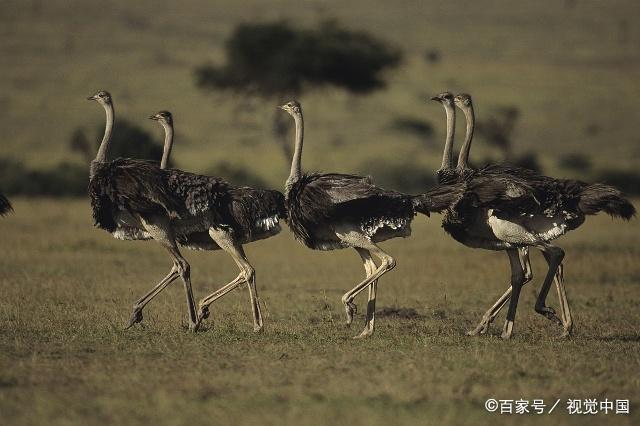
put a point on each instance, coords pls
(566, 69)
(67, 290)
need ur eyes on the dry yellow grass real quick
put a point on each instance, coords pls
(67, 290)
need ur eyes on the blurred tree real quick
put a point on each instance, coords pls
(237, 175)
(80, 143)
(497, 130)
(127, 140)
(416, 126)
(275, 61)
(432, 56)
(575, 161)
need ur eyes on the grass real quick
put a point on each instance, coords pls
(67, 290)
(568, 66)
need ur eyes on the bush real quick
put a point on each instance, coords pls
(576, 162)
(66, 179)
(274, 59)
(127, 140)
(528, 160)
(420, 128)
(236, 175)
(409, 178)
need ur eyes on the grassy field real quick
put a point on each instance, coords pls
(67, 290)
(570, 68)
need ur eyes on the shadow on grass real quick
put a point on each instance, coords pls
(400, 313)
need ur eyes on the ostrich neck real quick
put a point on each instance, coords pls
(101, 156)
(296, 172)
(448, 145)
(463, 158)
(168, 144)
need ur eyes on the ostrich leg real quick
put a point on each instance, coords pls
(554, 256)
(517, 281)
(491, 314)
(181, 269)
(185, 273)
(203, 311)
(565, 311)
(388, 263)
(226, 241)
(369, 267)
(136, 316)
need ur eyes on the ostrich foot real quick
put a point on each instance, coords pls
(351, 309)
(136, 317)
(481, 328)
(548, 313)
(507, 331)
(368, 331)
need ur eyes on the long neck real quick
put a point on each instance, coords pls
(463, 158)
(296, 171)
(168, 144)
(101, 156)
(448, 144)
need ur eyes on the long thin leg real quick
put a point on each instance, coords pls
(369, 267)
(553, 255)
(136, 316)
(203, 311)
(226, 241)
(565, 310)
(517, 281)
(185, 273)
(388, 263)
(490, 315)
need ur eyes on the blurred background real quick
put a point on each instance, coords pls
(555, 85)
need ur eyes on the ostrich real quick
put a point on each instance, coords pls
(131, 200)
(247, 214)
(512, 209)
(335, 211)
(5, 206)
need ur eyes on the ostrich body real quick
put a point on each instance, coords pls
(131, 200)
(335, 211)
(245, 215)
(512, 209)
(5, 206)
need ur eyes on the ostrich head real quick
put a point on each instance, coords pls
(292, 107)
(102, 96)
(164, 117)
(463, 101)
(445, 98)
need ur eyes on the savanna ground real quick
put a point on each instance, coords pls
(67, 291)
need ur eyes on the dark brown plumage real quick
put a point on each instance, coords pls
(333, 211)
(134, 186)
(220, 216)
(512, 208)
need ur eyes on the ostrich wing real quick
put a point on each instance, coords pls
(252, 209)
(357, 199)
(502, 192)
(136, 186)
(198, 193)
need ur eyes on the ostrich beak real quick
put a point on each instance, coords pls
(435, 98)
(154, 117)
(92, 98)
(282, 107)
